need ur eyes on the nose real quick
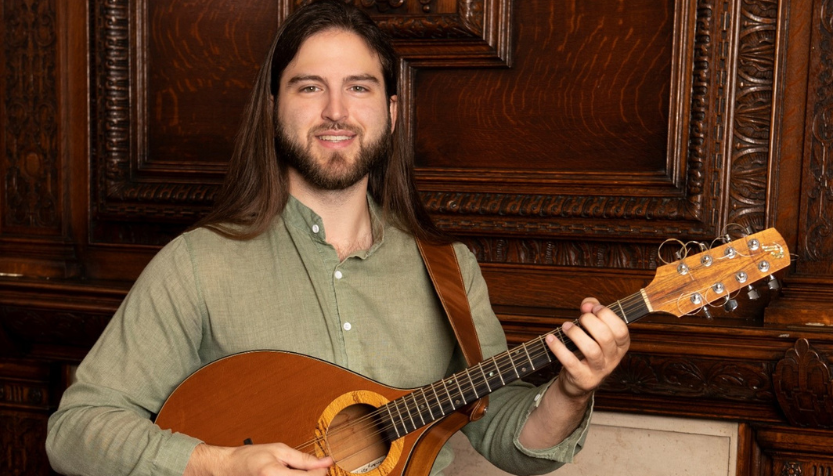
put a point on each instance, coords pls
(336, 108)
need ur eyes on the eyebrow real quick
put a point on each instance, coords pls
(312, 77)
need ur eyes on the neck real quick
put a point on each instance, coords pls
(345, 213)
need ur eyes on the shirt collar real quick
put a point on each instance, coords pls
(303, 218)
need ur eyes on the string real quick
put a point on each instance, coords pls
(477, 377)
(503, 363)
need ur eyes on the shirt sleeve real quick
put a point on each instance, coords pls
(103, 424)
(495, 436)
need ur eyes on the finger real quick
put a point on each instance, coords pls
(603, 337)
(588, 304)
(564, 355)
(300, 460)
(617, 326)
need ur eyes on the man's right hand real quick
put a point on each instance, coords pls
(274, 459)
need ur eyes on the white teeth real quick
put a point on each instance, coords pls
(334, 138)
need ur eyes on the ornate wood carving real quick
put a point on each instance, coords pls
(752, 112)
(791, 468)
(22, 439)
(818, 228)
(31, 172)
(803, 387)
(693, 377)
(564, 253)
(116, 193)
(22, 394)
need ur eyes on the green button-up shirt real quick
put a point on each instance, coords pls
(204, 297)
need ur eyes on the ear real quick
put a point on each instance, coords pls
(394, 110)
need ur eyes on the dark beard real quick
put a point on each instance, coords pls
(327, 177)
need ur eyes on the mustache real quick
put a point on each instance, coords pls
(332, 126)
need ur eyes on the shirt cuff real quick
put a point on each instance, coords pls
(565, 451)
(173, 457)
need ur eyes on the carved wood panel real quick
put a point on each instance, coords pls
(803, 385)
(31, 170)
(816, 235)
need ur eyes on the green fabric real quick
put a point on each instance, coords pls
(204, 297)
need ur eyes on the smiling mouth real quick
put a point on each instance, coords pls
(333, 138)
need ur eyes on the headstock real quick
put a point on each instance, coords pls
(687, 285)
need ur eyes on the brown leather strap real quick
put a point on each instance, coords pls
(442, 266)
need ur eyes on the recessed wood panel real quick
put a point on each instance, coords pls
(202, 58)
(588, 92)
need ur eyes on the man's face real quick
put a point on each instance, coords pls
(333, 115)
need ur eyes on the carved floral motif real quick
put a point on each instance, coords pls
(753, 110)
(791, 468)
(803, 387)
(692, 378)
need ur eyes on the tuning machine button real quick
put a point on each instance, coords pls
(707, 313)
(773, 284)
(752, 293)
(730, 305)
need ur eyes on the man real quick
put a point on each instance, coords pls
(311, 249)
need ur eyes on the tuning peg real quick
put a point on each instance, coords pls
(707, 313)
(730, 305)
(752, 293)
(773, 284)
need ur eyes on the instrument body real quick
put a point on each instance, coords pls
(317, 407)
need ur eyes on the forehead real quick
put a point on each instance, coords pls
(334, 53)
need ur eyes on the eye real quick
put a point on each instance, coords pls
(309, 89)
(359, 89)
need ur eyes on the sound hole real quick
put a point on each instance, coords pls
(355, 440)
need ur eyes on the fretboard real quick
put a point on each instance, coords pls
(432, 402)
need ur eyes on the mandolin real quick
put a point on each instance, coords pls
(371, 428)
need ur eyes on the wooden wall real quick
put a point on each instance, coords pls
(563, 140)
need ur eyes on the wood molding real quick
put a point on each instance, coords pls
(443, 33)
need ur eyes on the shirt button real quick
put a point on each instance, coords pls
(339, 275)
(347, 326)
(315, 229)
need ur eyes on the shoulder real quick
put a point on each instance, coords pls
(469, 267)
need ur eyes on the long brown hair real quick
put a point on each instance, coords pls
(256, 187)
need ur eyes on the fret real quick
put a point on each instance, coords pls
(528, 357)
(419, 412)
(485, 378)
(468, 374)
(624, 314)
(404, 423)
(512, 361)
(499, 374)
(439, 403)
(546, 349)
(462, 395)
(427, 404)
(405, 402)
(393, 422)
(450, 400)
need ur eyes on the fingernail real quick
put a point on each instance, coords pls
(567, 326)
